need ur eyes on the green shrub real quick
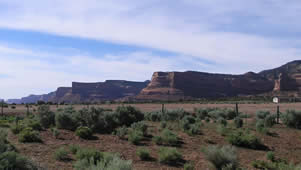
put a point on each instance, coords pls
(106, 123)
(158, 140)
(169, 138)
(5, 146)
(244, 139)
(238, 122)
(207, 119)
(187, 121)
(222, 121)
(34, 124)
(262, 114)
(169, 155)
(260, 126)
(167, 115)
(45, 116)
(135, 137)
(188, 166)
(109, 162)
(143, 153)
(65, 119)
(163, 124)
(222, 157)
(127, 115)
(121, 132)
(17, 128)
(153, 116)
(194, 129)
(140, 126)
(292, 118)
(271, 156)
(14, 161)
(74, 148)
(89, 117)
(223, 130)
(270, 120)
(61, 154)
(228, 114)
(89, 154)
(260, 164)
(29, 136)
(201, 113)
(55, 132)
(4, 123)
(174, 115)
(84, 132)
(216, 113)
(9, 159)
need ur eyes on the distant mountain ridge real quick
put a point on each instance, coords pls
(88, 92)
(284, 80)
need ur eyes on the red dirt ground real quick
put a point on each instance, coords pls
(286, 145)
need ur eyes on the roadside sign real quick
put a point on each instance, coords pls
(275, 100)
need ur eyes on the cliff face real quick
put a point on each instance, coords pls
(108, 90)
(187, 85)
(184, 85)
(88, 92)
(284, 81)
(286, 77)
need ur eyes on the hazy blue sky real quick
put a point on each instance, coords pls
(45, 44)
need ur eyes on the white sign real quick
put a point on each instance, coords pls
(276, 100)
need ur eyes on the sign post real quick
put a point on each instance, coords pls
(276, 101)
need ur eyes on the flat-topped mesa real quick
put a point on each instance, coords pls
(108, 90)
(183, 85)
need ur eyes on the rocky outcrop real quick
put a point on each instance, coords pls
(89, 92)
(108, 90)
(194, 85)
(281, 81)
(187, 85)
(286, 77)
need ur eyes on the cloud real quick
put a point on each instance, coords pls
(37, 74)
(190, 28)
(232, 36)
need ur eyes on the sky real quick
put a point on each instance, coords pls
(50, 43)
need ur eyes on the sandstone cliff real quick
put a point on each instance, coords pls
(108, 90)
(193, 85)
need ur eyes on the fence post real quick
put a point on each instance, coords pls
(27, 113)
(2, 105)
(163, 108)
(236, 109)
(278, 113)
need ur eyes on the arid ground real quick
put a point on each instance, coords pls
(285, 143)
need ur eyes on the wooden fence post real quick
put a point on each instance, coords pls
(2, 105)
(278, 113)
(236, 109)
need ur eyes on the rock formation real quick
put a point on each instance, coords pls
(88, 92)
(194, 85)
(185, 85)
(284, 81)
